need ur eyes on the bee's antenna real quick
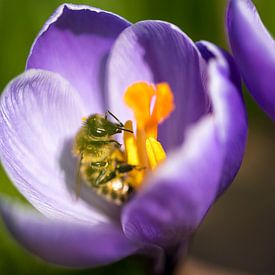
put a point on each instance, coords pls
(111, 114)
(126, 130)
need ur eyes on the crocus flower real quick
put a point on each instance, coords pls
(81, 63)
(254, 51)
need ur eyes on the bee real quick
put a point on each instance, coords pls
(102, 163)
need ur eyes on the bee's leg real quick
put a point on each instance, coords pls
(114, 141)
(104, 177)
(140, 168)
(124, 168)
(99, 178)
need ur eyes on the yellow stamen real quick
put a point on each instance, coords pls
(164, 102)
(139, 96)
(164, 105)
(155, 152)
(144, 149)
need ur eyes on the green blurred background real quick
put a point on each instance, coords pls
(239, 232)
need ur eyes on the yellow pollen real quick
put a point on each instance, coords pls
(143, 149)
(155, 152)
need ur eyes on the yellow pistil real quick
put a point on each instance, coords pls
(151, 105)
(132, 155)
(130, 145)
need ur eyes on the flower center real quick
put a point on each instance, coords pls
(150, 105)
(114, 173)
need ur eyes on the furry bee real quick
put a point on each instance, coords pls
(101, 162)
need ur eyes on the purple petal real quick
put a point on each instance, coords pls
(228, 103)
(155, 51)
(64, 243)
(176, 198)
(75, 42)
(254, 51)
(40, 113)
(210, 51)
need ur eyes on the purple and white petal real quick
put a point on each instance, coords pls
(177, 196)
(40, 113)
(228, 105)
(254, 51)
(156, 51)
(75, 42)
(65, 243)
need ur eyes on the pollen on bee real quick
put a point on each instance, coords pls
(117, 185)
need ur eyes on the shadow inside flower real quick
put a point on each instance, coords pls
(69, 165)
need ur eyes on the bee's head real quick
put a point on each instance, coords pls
(98, 126)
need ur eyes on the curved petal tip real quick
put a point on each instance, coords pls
(75, 43)
(254, 52)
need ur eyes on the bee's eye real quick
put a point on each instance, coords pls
(98, 132)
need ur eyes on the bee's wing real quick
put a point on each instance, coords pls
(78, 179)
